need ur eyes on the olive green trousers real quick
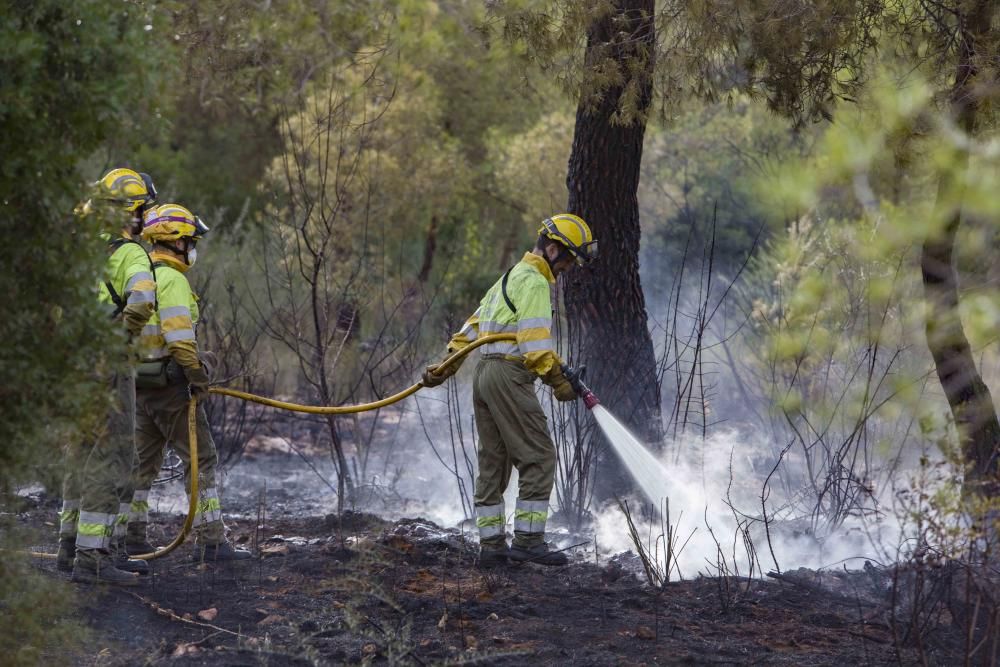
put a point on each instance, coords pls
(513, 433)
(161, 420)
(97, 485)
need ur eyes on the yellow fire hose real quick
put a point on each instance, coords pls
(294, 407)
(361, 407)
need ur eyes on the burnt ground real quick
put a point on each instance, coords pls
(359, 589)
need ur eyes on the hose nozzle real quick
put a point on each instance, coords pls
(575, 377)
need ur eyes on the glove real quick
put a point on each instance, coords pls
(197, 380)
(562, 388)
(432, 377)
(136, 315)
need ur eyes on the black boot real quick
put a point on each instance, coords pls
(492, 556)
(97, 566)
(126, 564)
(540, 553)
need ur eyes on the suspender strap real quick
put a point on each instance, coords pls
(117, 300)
(503, 290)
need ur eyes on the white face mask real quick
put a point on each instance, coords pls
(192, 256)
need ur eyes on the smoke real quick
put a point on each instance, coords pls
(713, 498)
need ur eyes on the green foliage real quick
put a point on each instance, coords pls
(801, 58)
(439, 209)
(72, 73)
(34, 609)
(704, 169)
(232, 69)
(66, 90)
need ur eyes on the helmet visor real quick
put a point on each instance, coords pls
(150, 188)
(200, 228)
(586, 253)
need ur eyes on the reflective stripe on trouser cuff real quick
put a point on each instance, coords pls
(139, 509)
(121, 521)
(68, 517)
(491, 521)
(530, 516)
(94, 530)
(209, 508)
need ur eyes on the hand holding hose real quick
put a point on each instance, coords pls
(436, 374)
(561, 382)
(198, 380)
(563, 390)
(575, 377)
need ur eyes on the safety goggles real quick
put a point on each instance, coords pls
(583, 254)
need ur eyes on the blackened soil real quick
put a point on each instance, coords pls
(356, 589)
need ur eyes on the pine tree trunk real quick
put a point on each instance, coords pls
(968, 396)
(605, 306)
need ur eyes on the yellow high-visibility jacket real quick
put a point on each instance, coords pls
(529, 291)
(171, 330)
(129, 274)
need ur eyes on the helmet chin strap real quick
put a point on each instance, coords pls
(563, 254)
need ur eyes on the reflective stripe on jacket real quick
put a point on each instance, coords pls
(170, 332)
(529, 289)
(128, 271)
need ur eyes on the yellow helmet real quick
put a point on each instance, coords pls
(169, 222)
(572, 232)
(126, 188)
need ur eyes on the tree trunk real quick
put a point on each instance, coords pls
(968, 396)
(605, 306)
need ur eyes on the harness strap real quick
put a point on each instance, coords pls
(503, 290)
(119, 300)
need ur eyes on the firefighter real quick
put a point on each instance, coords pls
(170, 373)
(512, 427)
(97, 487)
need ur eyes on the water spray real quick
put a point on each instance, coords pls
(648, 473)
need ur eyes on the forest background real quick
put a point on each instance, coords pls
(368, 169)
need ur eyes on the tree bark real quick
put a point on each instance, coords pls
(968, 396)
(605, 306)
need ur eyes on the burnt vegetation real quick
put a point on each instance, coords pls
(794, 309)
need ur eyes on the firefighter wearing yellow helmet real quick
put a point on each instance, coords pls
(97, 488)
(512, 426)
(170, 373)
